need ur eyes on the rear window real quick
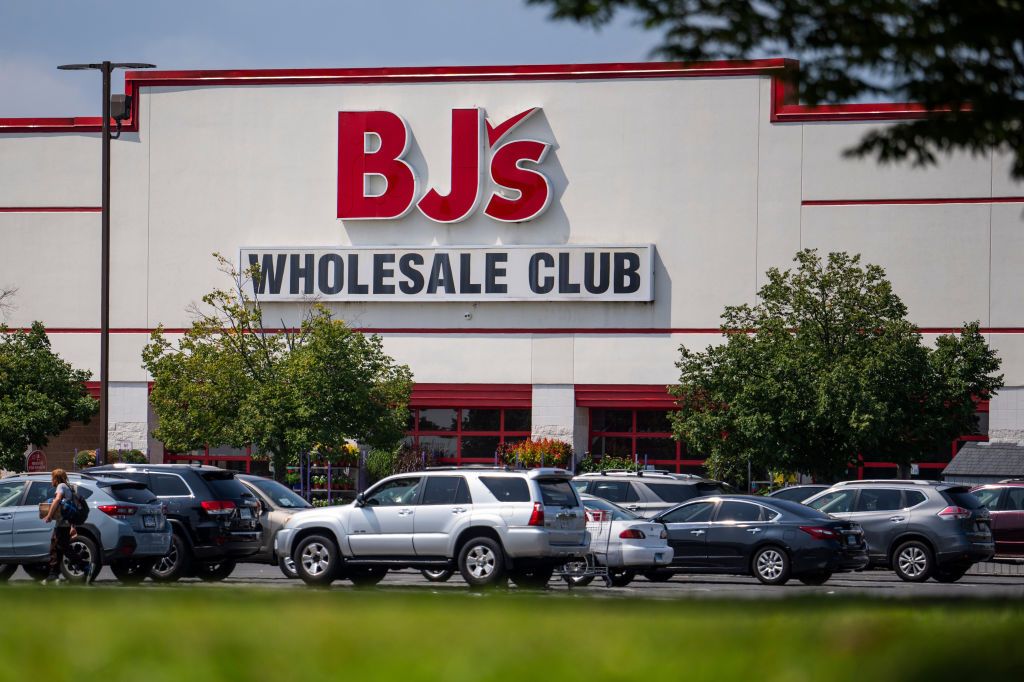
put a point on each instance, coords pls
(132, 492)
(962, 497)
(169, 485)
(224, 486)
(557, 494)
(674, 493)
(507, 489)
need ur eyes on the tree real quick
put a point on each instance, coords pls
(40, 394)
(825, 367)
(964, 61)
(229, 381)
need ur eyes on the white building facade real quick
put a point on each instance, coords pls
(535, 242)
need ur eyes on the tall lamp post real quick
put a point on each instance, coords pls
(106, 68)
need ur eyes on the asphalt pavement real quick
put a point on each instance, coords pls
(877, 584)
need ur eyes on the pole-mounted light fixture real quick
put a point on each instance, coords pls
(123, 107)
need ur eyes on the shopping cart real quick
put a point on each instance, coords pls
(583, 571)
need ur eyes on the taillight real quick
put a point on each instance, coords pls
(218, 507)
(537, 517)
(664, 534)
(819, 533)
(955, 512)
(117, 510)
(632, 534)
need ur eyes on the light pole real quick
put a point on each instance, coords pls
(106, 68)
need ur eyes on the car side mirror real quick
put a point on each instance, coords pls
(360, 500)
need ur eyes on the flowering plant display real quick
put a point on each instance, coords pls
(548, 452)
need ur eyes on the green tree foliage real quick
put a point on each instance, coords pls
(40, 394)
(230, 381)
(822, 368)
(964, 61)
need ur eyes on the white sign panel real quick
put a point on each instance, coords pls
(471, 273)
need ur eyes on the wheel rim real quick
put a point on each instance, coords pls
(913, 562)
(770, 564)
(289, 565)
(168, 561)
(576, 568)
(315, 559)
(480, 561)
(85, 553)
(435, 574)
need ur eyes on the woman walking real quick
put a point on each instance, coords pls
(60, 541)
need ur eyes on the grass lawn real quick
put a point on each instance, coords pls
(204, 634)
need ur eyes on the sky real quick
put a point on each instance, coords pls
(37, 35)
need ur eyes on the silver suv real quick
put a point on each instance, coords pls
(647, 492)
(488, 523)
(920, 529)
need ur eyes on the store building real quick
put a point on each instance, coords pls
(536, 242)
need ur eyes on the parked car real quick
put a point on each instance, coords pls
(214, 517)
(646, 492)
(773, 540)
(277, 504)
(1005, 503)
(125, 529)
(919, 529)
(488, 523)
(625, 544)
(798, 493)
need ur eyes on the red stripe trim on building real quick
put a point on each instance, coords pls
(923, 201)
(784, 107)
(50, 209)
(471, 395)
(624, 331)
(635, 396)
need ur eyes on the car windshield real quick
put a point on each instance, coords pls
(282, 496)
(617, 512)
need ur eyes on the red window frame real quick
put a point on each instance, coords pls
(207, 459)
(502, 433)
(675, 464)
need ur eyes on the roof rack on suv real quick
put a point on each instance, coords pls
(640, 472)
(463, 467)
(889, 481)
(1012, 480)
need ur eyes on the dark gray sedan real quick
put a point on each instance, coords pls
(773, 540)
(277, 504)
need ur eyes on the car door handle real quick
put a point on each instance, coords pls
(696, 532)
(753, 530)
(6, 517)
(458, 510)
(895, 519)
(633, 507)
(405, 512)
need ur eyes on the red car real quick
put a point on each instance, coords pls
(1005, 501)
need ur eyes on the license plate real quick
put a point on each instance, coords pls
(851, 539)
(149, 521)
(245, 514)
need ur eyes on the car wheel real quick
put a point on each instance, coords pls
(366, 577)
(659, 576)
(912, 561)
(621, 578)
(215, 572)
(317, 560)
(815, 578)
(6, 571)
(132, 571)
(534, 578)
(175, 564)
(771, 565)
(442, 575)
(577, 567)
(37, 571)
(949, 574)
(482, 562)
(89, 553)
(287, 566)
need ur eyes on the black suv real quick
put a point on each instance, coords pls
(215, 518)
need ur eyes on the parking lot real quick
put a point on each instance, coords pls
(985, 582)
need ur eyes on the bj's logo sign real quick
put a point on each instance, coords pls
(504, 174)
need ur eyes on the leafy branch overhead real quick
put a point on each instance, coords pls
(826, 367)
(964, 61)
(230, 381)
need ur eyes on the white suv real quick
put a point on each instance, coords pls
(488, 523)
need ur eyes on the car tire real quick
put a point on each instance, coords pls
(442, 575)
(88, 551)
(949, 574)
(37, 571)
(770, 565)
(482, 562)
(174, 565)
(913, 562)
(6, 571)
(287, 566)
(215, 572)
(132, 571)
(317, 560)
(533, 578)
(659, 576)
(366, 577)
(815, 579)
(579, 566)
(621, 578)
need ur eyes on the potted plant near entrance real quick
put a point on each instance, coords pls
(530, 454)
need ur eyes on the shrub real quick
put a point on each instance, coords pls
(132, 457)
(606, 462)
(85, 459)
(530, 454)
